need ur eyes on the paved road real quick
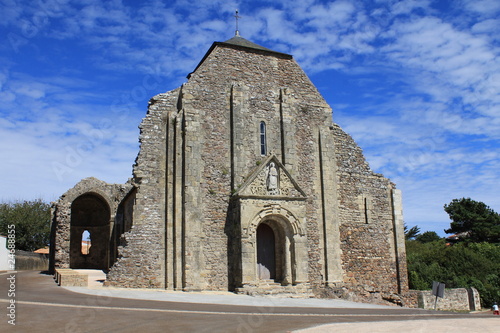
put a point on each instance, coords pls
(42, 306)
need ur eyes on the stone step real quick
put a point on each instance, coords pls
(277, 290)
(91, 278)
(270, 285)
(67, 277)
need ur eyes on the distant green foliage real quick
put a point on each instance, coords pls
(473, 262)
(458, 266)
(477, 221)
(31, 220)
(427, 237)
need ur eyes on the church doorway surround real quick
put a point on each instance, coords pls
(290, 244)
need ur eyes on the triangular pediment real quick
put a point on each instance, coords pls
(271, 180)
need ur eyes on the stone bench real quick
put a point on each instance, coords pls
(67, 277)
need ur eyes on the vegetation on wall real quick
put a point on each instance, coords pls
(472, 260)
(31, 221)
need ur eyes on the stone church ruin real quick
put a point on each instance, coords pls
(242, 183)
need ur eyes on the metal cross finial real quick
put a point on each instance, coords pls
(236, 16)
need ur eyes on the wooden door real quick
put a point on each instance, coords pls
(266, 259)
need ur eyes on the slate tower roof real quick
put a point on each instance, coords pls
(240, 41)
(244, 44)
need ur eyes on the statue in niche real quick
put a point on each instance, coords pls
(272, 179)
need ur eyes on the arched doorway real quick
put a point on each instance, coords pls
(90, 219)
(290, 247)
(266, 252)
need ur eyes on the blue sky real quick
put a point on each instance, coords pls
(415, 82)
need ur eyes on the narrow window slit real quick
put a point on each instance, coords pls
(263, 143)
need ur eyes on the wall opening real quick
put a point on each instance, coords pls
(365, 203)
(263, 139)
(86, 242)
(90, 215)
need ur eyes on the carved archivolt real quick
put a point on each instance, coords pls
(278, 213)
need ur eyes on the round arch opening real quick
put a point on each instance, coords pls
(90, 215)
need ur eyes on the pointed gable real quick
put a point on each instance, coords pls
(271, 179)
(238, 42)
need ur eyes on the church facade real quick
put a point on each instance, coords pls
(242, 180)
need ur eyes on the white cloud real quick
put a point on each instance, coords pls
(484, 7)
(407, 6)
(50, 136)
(486, 27)
(424, 104)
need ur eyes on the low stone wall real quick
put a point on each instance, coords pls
(29, 261)
(460, 299)
(474, 299)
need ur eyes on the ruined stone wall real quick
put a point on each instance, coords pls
(112, 194)
(141, 256)
(367, 225)
(123, 223)
(60, 235)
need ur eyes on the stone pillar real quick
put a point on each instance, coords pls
(248, 261)
(62, 221)
(301, 259)
(331, 232)
(288, 277)
(192, 196)
(287, 120)
(178, 220)
(238, 130)
(399, 240)
(169, 202)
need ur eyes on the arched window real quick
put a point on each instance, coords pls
(86, 242)
(263, 146)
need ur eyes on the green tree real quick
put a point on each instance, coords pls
(412, 232)
(428, 236)
(31, 220)
(462, 265)
(475, 220)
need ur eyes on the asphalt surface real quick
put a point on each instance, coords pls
(42, 306)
